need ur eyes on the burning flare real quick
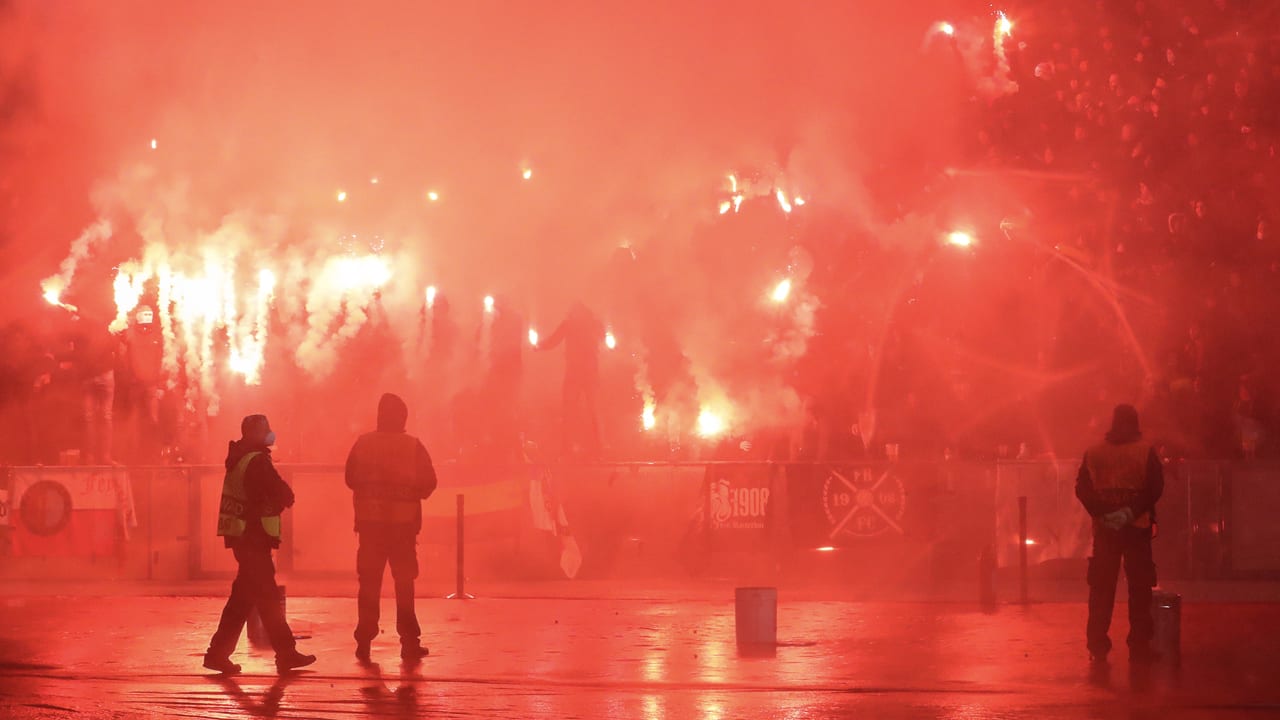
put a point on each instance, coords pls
(610, 341)
(709, 423)
(781, 291)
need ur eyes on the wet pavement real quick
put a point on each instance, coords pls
(611, 658)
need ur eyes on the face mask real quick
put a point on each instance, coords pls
(270, 439)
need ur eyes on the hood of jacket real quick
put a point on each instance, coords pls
(393, 413)
(237, 449)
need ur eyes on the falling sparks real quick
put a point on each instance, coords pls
(781, 291)
(709, 423)
(342, 196)
(1004, 26)
(127, 289)
(368, 272)
(782, 201)
(610, 341)
(431, 296)
(648, 417)
(959, 238)
(488, 304)
(533, 337)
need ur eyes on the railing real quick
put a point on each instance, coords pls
(648, 518)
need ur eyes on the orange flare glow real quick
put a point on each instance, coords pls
(782, 291)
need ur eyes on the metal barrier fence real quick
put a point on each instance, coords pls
(648, 519)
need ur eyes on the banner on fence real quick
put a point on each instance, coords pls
(70, 511)
(836, 505)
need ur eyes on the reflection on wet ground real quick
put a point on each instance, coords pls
(123, 657)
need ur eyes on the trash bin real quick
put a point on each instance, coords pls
(1166, 611)
(254, 628)
(756, 616)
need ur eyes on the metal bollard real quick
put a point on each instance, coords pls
(1022, 549)
(255, 629)
(1166, 612)
(460, 592)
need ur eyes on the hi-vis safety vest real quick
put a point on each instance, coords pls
(1119, 472)
(232, 519)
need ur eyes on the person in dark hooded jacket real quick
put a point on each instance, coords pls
(1119, 483)
(253, 497)
(390, 474)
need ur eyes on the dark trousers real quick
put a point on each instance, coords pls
(253, 588)
(378, 548)
(580, 421)
(1133, 546)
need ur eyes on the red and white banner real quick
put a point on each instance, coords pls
(70, 511)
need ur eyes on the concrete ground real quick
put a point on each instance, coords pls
(122, 656)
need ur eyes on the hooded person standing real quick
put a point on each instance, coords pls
(253, 497)
(1119, 483)
(390, 474)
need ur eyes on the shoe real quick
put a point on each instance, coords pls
(293, 661)
(221, 664)
(362, 651)
(413, 653)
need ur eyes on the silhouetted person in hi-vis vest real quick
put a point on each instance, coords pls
(253, 496)
(390, 474)
(1119, 483)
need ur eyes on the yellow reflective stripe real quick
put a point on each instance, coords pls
(272, 525)
(231, 524)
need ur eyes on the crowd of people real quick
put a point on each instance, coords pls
(1143, 139)
(1165, 118)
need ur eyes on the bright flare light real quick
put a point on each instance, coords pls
(488, 303)
(782, 201)
(431, 296)
(342, 196)
(825, 548)
(610, 341)
(1003, 25)
(528, 173)
(798, 201)
(648, 418)
(533, 337)
(725, 207)
(947, 28)
(782, 291)
(53, 297)
(433, 196)
(960, 239)
(709, 424)
(153, 143)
